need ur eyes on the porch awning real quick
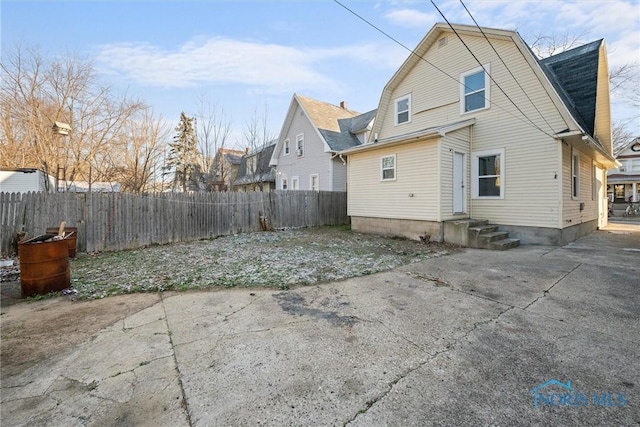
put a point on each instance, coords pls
(619, 178)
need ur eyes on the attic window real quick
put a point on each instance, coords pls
(403, 109)
(300, 145)
(287, 147)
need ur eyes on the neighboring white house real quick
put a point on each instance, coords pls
(496, 135)
(313, 133)
(624, 182)
(24, 180)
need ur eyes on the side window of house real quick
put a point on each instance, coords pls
(287, 147)
(403, 110)
(575, 175)
(474, 91)
(300, 145)
(295, 183)
(388, 168)
(284, 183)
(488, 173)
(313, 182)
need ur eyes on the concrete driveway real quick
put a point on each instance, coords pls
(531, 336)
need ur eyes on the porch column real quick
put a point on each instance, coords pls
(634, 191)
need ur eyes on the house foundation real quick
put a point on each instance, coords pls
(411, 229)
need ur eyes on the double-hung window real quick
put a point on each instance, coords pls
(575, 175)
(388, 168)
(300, 145)
(488, 174)
(403, 109)
(474, 90)
(287, 147)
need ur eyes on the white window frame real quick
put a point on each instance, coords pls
(475, 178)
(317, 177)
(287, 147)
(575, 175)
(487, 87)
(396, 112)
(295, 182)
(284, 183)
(300, 145)
(594, 181)
(382, 168)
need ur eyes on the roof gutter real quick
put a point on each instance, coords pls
(410, 137)
(588, 140)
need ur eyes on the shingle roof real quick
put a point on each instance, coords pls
(324, 115)
(346, 138)
(234, 159)
(574, 75)
(263, 173)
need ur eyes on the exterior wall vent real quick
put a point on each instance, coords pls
(443, 42)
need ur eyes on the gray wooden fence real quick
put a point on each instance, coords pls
(116, 221)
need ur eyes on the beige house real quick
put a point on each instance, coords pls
(224, 169)
(496, 136)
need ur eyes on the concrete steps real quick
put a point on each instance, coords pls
(480, 234)
(487, 236)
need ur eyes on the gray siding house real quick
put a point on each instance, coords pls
(313, 133)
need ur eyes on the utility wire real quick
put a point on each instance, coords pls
(436, 67)
(490, 76)
(505, 65)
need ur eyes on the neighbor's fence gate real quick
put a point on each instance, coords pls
(116, 221)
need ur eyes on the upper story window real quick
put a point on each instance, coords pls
(300, 145)
(474, 90)
(403, 109)
(287, 147)
(388, 168)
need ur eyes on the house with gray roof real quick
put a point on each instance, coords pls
(255, 173)
(306, 156)
(478, 142)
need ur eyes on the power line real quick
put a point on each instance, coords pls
(490, 76)
(438, 68)
(505, 65)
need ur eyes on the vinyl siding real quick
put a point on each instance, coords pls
(416, 173)
(331, 174)
(531, 193)
(339, 175)
(603, 112)
(21, 182)
(571, 213)
(458, 141)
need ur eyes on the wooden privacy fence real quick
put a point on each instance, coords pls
(116, 221)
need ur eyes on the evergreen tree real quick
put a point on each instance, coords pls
(183, 151)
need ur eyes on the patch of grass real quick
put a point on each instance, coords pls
(277, 260)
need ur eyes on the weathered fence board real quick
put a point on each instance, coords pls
(116, 221)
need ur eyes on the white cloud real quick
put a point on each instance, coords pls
(412, 18)
(220, 60)
(268, 67)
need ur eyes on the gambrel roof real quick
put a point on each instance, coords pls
(574, 81)
(574, 75)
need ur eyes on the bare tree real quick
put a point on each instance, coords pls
(545, 45)
(138, 160)
(256, 137)
(213, 130)
(36, 92)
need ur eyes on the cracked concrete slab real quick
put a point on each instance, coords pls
(317, 354)
(460, 340)
(123, 375)
(489, 376)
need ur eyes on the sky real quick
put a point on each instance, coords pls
(252, 56)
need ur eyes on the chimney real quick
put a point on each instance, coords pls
(343, 105)
(246, 150)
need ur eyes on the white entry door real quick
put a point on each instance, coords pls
(459, 178)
